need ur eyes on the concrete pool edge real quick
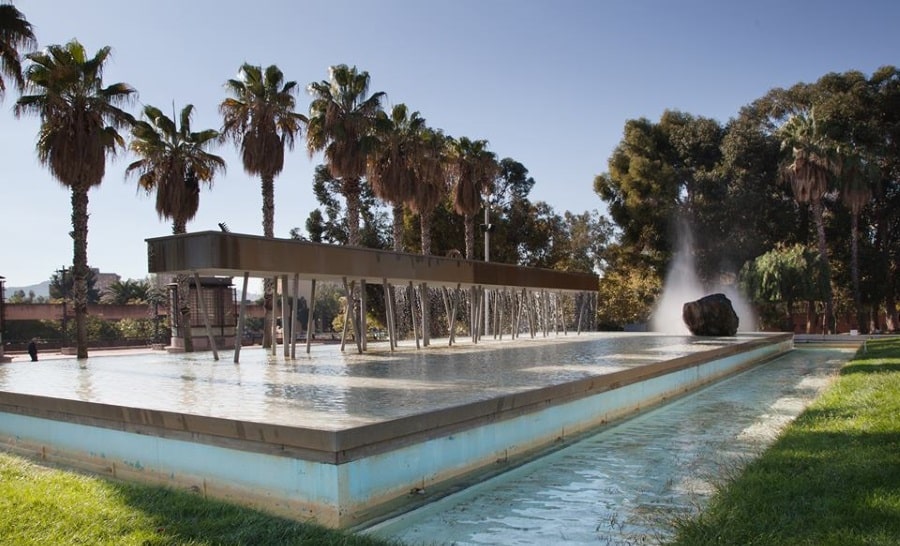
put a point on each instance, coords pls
(343, 478)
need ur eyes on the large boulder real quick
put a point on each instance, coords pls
(711, 315)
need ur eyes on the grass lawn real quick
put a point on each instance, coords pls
(42, 506)
(832, 478)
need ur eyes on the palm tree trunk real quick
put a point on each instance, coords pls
(861, 322)
(817, 208)
(398, 227)
(351, 194)
(425, 232)
(890, 315)
(268, 212)
(470, 236)
(80, 267)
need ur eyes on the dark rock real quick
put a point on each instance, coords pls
(711, 315)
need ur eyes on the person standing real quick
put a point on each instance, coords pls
(32, 350)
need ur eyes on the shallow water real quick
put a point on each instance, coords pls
(332, 390)
(625, 484)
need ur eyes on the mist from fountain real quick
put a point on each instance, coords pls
(683, 285)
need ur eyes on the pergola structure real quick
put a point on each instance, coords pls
(214, 253)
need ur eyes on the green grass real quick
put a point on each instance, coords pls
(832, 478)
(41, 506)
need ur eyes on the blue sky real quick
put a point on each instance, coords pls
(548, 83)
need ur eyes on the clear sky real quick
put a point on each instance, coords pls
(548, 83)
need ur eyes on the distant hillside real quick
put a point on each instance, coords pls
(42, 289)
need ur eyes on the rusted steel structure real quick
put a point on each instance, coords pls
(213, 253)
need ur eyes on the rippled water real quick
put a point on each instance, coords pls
(625, 484)
(332, 390)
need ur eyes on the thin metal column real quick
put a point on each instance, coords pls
(310, 322)
(239, 335)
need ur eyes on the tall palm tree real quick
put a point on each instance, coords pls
(810, 170)
(259, 117)
(432, 181)
(859, 176)
(391, 167)
(475, 169)
(15, 34)
(79, 122)
(341, 123)
(173, 162)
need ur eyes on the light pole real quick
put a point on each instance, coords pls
(487, 257)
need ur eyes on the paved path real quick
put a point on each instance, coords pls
(625, 484)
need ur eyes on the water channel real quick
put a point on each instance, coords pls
(625, 484)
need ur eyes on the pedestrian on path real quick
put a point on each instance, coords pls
(32, 350)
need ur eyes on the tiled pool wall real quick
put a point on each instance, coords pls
(344, 479)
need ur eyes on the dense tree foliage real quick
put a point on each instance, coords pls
(815, 164)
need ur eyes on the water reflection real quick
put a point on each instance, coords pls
(333, 390)
(625, 484)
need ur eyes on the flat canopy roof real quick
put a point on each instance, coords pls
(231, 254)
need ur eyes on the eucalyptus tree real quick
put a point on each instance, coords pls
(259, 117)
(16, 33)
(475, 168)
(391, 166)
(884, 86)
(80, 118)
(342, 117)
(331, 227)
(173, 163)
(659, 175)
(810, 169)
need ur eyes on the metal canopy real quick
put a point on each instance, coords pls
(231, 254)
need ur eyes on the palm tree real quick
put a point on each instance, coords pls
(391, 167)
(341, 123)
(79, 122)
(173, 162)
(810, 171)
(475, 169)
(432, 173)
(15, 33)
(859, 175)
(127, 292)
(259, 117)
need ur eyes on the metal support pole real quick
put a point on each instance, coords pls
(310, 321)
(501, 304)
(294, 322)
(453, 307)
(239, 335)
(389, 312)
(412, 311)
(274, 325)
(285, 323)
(363, 327)
(426, 315)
